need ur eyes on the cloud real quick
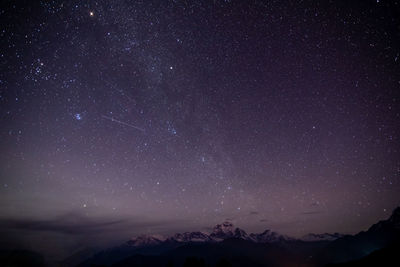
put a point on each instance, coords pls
(59, 237)
(65, 227)
(73, 224)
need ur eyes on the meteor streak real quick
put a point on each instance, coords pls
(123, 123)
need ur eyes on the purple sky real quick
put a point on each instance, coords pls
(127, 117)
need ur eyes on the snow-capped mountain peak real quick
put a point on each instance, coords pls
(190, 237)
(269, 236)
(321, 237)
(228, 230)
(240, 233)
(225, 227)
(145, 240)
(220, 232)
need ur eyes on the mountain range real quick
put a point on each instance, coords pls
(235, 247)
(154, 244)
(220, 232)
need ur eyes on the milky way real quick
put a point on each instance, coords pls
(177, 115)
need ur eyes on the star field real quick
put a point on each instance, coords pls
(273, 114)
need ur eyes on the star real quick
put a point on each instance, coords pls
(116, 109)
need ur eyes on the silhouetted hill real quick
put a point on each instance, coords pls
(378, 236)
(78, 257)
(388, 257)
(21, 258)
(116, 254)
(235, 252)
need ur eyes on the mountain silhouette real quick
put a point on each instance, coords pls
(378, 236)
(227, 245)
(21, 258)
(387, 256)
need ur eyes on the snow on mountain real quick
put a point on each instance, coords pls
(222, 231)
(227, 230)
(145, 241)
(190, 237)
(239, 233)
(269, 236)
(219, 233)
(321, 237)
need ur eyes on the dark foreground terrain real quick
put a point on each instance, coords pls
(229, 246)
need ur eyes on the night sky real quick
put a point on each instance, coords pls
(128, 117)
